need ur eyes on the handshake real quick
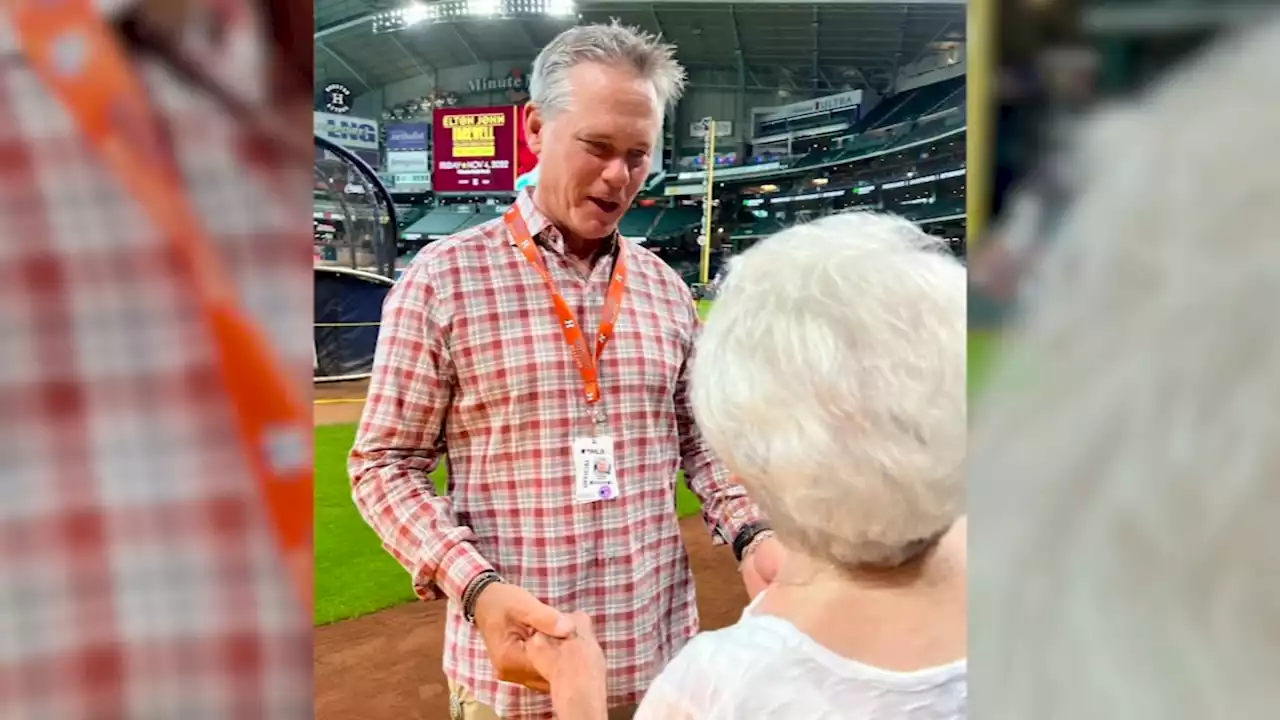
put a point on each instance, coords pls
(537, 646)
(533, 644)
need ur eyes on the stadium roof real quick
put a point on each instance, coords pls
(790, 45)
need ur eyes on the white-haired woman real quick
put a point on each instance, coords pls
(831, 380)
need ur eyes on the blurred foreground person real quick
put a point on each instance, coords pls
(1030, 219)
(1125, 471)
(855, 325)
(139, 575)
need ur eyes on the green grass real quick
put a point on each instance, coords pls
(354, 575)
(982, 350)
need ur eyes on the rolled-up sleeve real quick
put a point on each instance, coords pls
(401, 441)
(725, 506)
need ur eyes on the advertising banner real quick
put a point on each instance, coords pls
(350, 132)
(515, 82)
(830, 103)
(724, 128)
(408, 136)
(411, 182)
(475, 149)
(402, 163)
(370, 157)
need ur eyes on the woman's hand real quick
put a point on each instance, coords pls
(760, 568)
(575, 668)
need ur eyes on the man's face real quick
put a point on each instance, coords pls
(594, 155)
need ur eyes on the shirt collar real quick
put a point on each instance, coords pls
(544, 232)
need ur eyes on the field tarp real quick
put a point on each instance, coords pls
(348, 309)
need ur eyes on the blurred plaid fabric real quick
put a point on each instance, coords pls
(138, 574)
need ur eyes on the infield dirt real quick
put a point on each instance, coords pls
(387, 665)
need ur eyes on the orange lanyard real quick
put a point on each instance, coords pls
(587, 362)
(81, 61)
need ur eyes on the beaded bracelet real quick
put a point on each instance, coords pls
(472, 593)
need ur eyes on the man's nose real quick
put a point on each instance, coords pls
(616, 173)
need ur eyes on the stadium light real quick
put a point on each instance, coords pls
(404, 17)
(483, 8)
(561, 8)
(416, 13)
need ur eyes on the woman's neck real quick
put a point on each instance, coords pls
(903, 619)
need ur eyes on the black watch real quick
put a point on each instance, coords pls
(746, 535)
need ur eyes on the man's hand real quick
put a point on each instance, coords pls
(575, 668)
(507, 617)
(760, 567)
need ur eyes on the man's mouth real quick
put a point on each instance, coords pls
(605, 206)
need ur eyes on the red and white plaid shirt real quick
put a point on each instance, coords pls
(138, 573)
(471, 361)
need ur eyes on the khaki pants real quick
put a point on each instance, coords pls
(464, 706)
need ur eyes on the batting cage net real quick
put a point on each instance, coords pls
(355, 250)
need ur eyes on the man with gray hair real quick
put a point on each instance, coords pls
(563, 442)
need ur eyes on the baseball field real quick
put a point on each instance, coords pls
(377, 650)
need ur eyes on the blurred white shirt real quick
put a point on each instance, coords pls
(765, 668)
